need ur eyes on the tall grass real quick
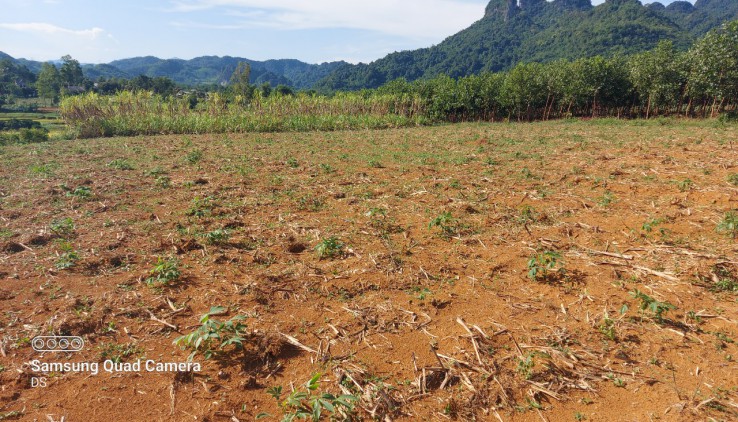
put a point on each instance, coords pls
(144, 113)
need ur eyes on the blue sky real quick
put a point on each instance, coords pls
(315, 31)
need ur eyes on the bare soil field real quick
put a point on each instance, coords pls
(568, 270)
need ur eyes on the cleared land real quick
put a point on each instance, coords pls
(564, 270)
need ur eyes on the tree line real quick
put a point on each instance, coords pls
(702, 81)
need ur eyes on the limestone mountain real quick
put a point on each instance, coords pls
(512, 31)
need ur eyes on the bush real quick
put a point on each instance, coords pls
(15, 124)
(25, 136)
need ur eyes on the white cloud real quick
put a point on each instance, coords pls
(430, 19)
(49, 29)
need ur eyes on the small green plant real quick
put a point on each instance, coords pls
(724, 280)
(293, 163)
(201, 207)
(163, 182)
(193, 157)
(81, 192)
(526, 215)
(217, 237)
(63, 227)
(527, 363)
(375, 164)
(68, 256)
(649, 225)
(44, 170)
(685, 185)
(617, 381)
(329, 248)
(327, 168)
(542, 265)
(733, 179)
(309, 404)
(119, 352)
(120, 164)
(527, 174)
(606, 199)
(213, 336)
(729, 224)
(166, 271)
(607, 327)
(648, 303)
(446, 222)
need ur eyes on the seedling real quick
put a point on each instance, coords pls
(63, 227)
(606, 199)
(120, 164)
(446, 222)
(685, 185)
(327, 169)
(213, 336)
(201, 207)
(733, 179)
(292, 162)
(329, 248)
(81, 192)
(166, 271)
(309, 404)
(526, 215)
(724, 280)
(217, 237)
(68, 257)
(119, 352)
(655, 307)
(193, 157)
(649, 225)
(729, 224)
(607, 327)
(163, 182)
(541, 265)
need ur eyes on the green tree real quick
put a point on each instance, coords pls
(48, 82)
(239, 83)
(714, 66)
(70, 72)
(658, 76)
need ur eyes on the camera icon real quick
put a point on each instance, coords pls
(57, 343)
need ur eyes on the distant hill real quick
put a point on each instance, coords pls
(215, 70)
(512, 31)
(203, 70)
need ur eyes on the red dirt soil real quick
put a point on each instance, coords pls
(427, 311)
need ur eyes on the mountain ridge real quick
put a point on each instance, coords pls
(512, 31)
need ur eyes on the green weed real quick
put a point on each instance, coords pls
(165, 272)
(542, 265)
(329, 248)
(309, 404)
(213, 336)
(729, 224)
(120, 164)
(647, 303)
(446, 222)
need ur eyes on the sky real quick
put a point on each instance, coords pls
(314, 31)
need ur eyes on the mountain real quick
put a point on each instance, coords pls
(202, 70)
(215, 70)
(512, 31)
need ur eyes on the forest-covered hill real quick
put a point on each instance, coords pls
(513, 31)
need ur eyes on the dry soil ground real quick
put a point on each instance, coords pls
(551, 271)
